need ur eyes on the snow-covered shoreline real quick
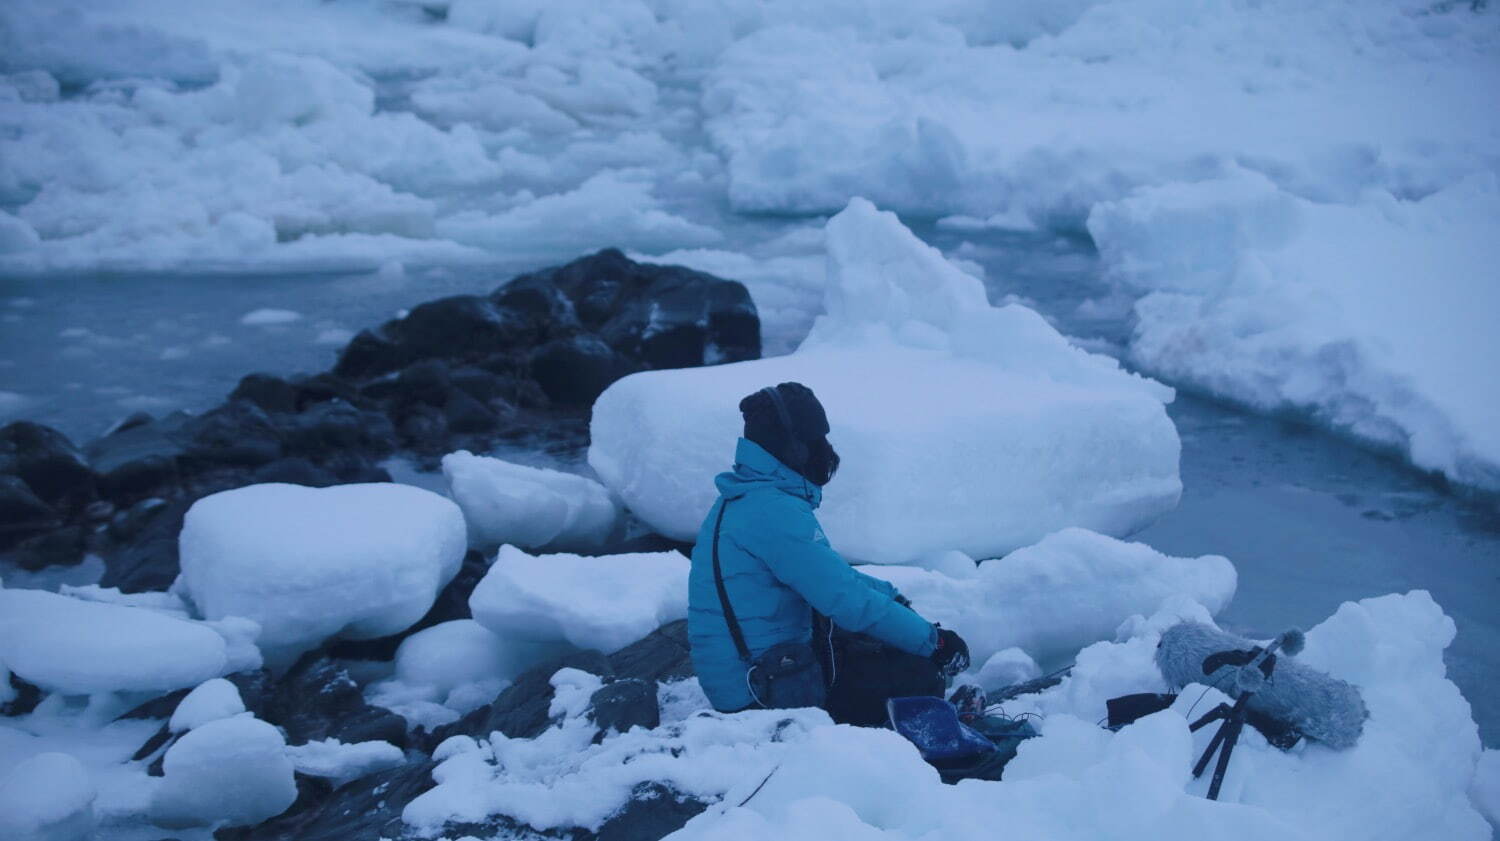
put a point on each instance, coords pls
(1295, 208)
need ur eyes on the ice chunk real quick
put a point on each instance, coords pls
(211, 700)
(48, 797)
(340, 762)
(604, 603)
(1007, 667)
(1073, 588)
(231, 772)
(961, 426)
(357, 561)
(606, 210)
(269, 317)
(1374, 318)
(529, 507)
(452, 655)
(82, 648)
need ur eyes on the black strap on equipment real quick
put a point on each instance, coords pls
(729, 618)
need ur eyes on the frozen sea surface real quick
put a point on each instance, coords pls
(1309, 520)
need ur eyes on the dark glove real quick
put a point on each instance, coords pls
(902, 600)
(952, 653)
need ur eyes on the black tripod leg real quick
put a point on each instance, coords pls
(1234, 726)
(1221, 711)
(1208, 752)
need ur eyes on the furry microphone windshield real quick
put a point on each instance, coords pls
(1321, 707)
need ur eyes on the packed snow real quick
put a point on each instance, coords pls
(339, 762)
(449, 669)
(1375, 318)
(356, 561)
(231, 772)
(604, 603)
(530, 507)
(48, 797)
(210, 700)
(78, 647)
(1076, 780)
(1057, 596)
(1033, 434)
(1007, 667)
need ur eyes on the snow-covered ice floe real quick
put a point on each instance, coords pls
(1376, 317)
(604, 602)
(78, 647)
(1408, 777)
(1067, 591)
(449, 669)
(48, 797)
(530, 507)
(960, 425)
(357, 561)
(230, 772)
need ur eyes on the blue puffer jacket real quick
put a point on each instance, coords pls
(778, 567)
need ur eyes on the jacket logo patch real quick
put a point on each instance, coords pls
(818, 533)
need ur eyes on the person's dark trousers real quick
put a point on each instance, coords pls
(866, 672)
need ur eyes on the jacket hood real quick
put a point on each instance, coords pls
(755, 468)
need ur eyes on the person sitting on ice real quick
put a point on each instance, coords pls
(776, 618)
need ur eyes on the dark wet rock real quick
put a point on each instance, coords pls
(22, 513)
(26, 699)
(424, 429)
(653, 811)
(317, 699)
(467, 415)
(351, 467)
(336, 425)
(272, 394)
(367, 808)
(458, 327)
(423, 382)
(661, 316)
(369, 724)
(520, 711)
(160, 708)
(321, 388)
(545, 310)
(576, 370)
(256, 689)
(452, 603)
(238, 433)
(370, 353)
(62, 547)
(149, 561)
(295, 471)
(49, 463)
(138, 461)
(156, 742)
(623, 704)
(661, 655)
(482, 385)
(127, 523)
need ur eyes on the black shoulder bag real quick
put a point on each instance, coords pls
(784, 676)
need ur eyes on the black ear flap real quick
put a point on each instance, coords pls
(796, 447)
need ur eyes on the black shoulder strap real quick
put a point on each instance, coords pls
(729, 618)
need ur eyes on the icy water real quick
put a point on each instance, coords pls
(1309, 520)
